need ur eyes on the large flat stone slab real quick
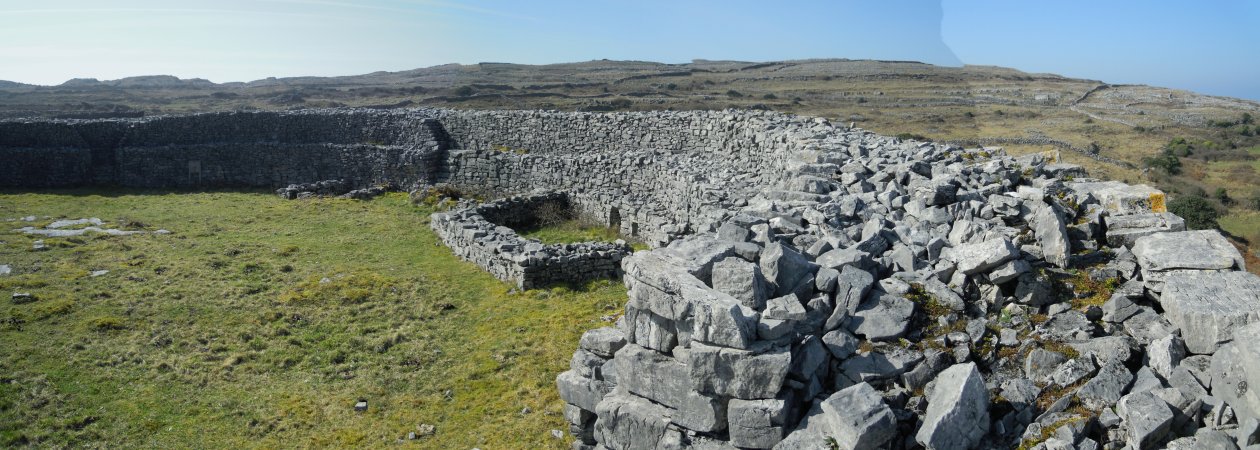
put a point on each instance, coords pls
(1119, 198)
(1185, 250)
(1209, 306)
(1125, 230)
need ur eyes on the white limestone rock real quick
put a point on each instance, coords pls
(958, 410)
(1209, 306)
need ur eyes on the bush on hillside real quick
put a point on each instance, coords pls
(1200, 214)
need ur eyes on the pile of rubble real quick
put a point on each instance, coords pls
(330, 188)
(910, 295)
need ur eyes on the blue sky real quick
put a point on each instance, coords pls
(1207, 46)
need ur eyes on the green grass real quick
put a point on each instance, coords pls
(1245, 224)
(260, 322)
(573, 231)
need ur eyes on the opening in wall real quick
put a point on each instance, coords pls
(614, 217)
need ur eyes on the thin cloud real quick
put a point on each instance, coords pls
(143, 10)
(474, 9)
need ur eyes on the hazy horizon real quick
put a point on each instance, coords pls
(1167, 44)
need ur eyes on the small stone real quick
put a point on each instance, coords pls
(1163, 354)
(23, 297)
(426, 429)
(97, 273)
(361, 406)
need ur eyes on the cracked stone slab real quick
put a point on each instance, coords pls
(1209, 306)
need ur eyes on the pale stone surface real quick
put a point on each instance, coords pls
(958, 410)
(983, 256)
(1209, 306)
(1161, 253)
(1146, 417)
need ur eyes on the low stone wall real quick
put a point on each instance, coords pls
(484, 236)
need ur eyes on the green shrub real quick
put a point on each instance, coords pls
(734, 94)
(1222, 195)
(1200, 214)
(1166, 161)
(465, 91)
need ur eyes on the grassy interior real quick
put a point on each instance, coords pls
(574, 231)
(260, 322)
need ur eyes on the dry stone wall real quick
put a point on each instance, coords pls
(485, 235)
(813, 287)
(258, 149)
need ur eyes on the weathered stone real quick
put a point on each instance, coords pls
(719, 319)
(1119, 198)
(1052, 235)
(857, 418)
(1041, 363)
(1072, 371)
(1209, 306)
(841, 257)
(1022, 393)
(1009, 271)
(627, 422)
(1106, 388)
(603, 341)
(732, 232)
(1147, 418)
(743, 374)
(1163, 354)
(787, 307)
(1118, 308)
(582, 392)
(741, 280)
(1123, 231)
(757, 423)
(980, 257)
(879, 365)
(1107, 349)
(1160, 253)
(840, 343)
(1034, 290)
(882, 316)
(784, 267)
(1235, 373)
(851, 289)
(958, 410)
(667, 381)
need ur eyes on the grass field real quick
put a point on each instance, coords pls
(259, 322)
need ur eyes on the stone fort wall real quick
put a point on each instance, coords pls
(655, 175)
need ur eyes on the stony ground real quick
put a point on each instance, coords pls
(260, 322)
